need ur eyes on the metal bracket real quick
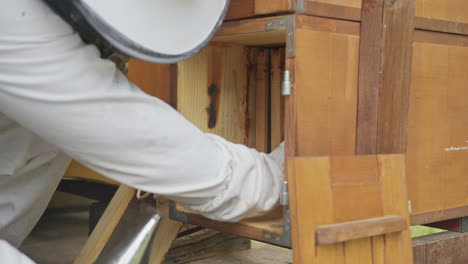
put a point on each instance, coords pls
(300, 6)
(283, 240)
(176, 215)
(288, 23)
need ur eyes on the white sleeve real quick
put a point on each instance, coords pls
(9, 254)
(59, 88)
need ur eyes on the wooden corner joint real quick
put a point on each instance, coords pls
(336, 233)
(289, 24)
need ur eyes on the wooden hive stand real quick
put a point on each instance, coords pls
(375, 125)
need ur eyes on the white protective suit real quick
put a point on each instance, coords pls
(59, 100)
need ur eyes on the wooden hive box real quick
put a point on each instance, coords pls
(232, 88)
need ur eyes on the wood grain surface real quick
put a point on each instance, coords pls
(438, 129)
(312, 209)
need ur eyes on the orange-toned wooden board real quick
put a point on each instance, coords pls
(438, 129)
(312, 209)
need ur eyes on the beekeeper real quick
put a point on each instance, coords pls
(60, 101)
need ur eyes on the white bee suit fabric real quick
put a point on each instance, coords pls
(10, 255)
(59, 100)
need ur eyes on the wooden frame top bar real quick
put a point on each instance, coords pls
(272, 30)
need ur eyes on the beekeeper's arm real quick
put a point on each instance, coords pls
(59, 88)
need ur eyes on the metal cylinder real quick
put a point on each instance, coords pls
(133, 236)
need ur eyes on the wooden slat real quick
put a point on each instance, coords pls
(216, 102)
(253, 31)
(384, 70)
(311, 210)
(106, 225)
(252, 228)
(398, 18)
(330, 234)
(369, 76)
(323, 9)
(440, 38)
(450, 10)
(438, 215)
(439, 16)
(441, 25)
(205, 244)
(357, 251)
(438, 122)
(378, 247)
(276, 99)
(153, 79)
(251, 101)
(261, 100)
(327, 25)
(241, 9)
(263, 7)
(346, 3)
(441, 248)
(395, 202)
(325, 99)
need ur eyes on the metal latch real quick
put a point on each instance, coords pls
(286, 85)
(284, 196)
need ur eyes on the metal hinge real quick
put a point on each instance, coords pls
(286, 85)
(410, 206)
(284, 196)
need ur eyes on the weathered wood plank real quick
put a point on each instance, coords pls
(398, 20)
(106, 225)
(440, 38)
(450, 10)
(205, 244)
(441, 25)
(312, 210)
(370, 77)
(438, 215)
(276, 99)
(241, 9)
(384, 76)
(262, 99)
(330, 234)
(441, 248)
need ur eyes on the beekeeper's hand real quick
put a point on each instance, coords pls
(253, 186)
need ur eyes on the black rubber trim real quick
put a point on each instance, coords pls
(85, 20)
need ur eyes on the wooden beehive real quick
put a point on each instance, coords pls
(374, 122)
